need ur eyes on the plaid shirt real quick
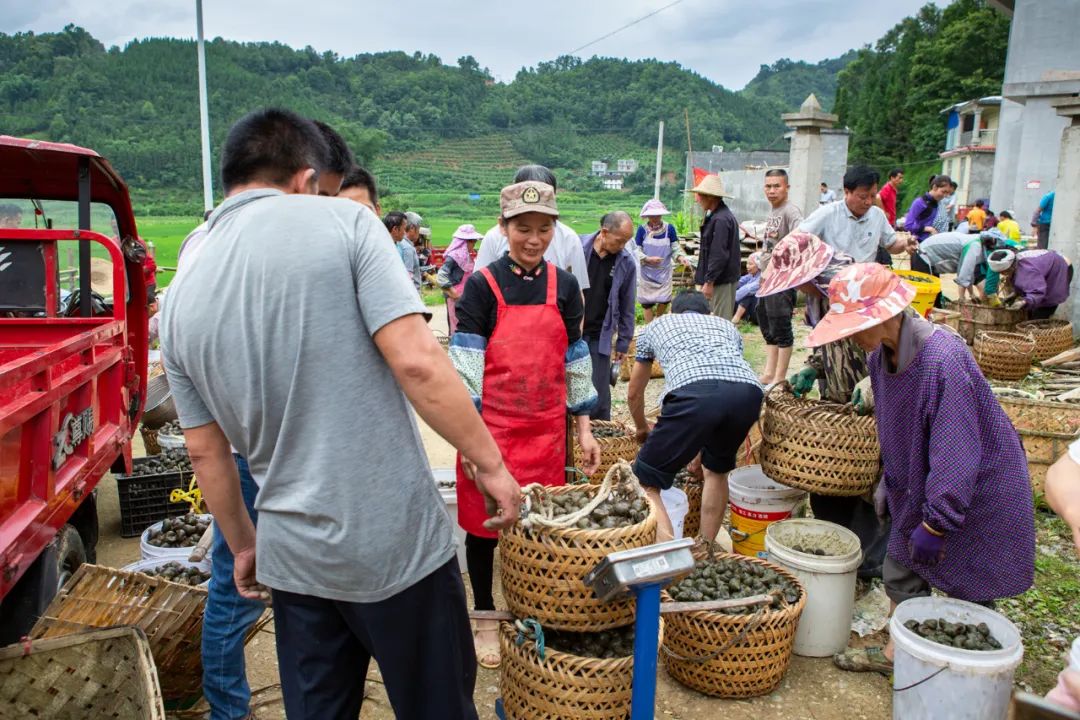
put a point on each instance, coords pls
(693, 347)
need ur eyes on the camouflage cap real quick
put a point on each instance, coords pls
(527, 197)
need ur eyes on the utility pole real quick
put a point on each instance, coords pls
(204, 114)
(659, 160)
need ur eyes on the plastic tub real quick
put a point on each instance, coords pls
(150, 552)
(825, 626)
(757, 502)
(171, 442)
(927, 288)
(449, 496)
(151, 563)
(935, 681)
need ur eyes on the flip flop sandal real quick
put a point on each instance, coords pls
(870, 659)
(487, 654)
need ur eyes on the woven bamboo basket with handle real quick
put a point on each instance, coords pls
(732, 656)
(1051, 336)
(543, 568)
(97, 674)
(819, 447)
(1004, 356)
(561, 685)
(170, 614)
(627, 364)
(617, 442)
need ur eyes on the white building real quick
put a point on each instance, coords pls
(599, 167)
(626, 167)
(970, 144)
(1043, 65)
(613, 183)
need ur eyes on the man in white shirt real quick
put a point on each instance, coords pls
(565, 250)
(827, 195)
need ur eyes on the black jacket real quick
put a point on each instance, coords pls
(719, 259)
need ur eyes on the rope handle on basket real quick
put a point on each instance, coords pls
(530, 629)
(192, 496)
(539, 511)
(755, 622)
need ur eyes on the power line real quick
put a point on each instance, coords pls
(624, 27)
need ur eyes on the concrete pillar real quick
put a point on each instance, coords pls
(1065, 226)
(807, 155)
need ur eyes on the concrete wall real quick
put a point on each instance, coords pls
(1065, 228)
(719, 162)
(835, 163)
(1029, 140)
(747, 188)
(1043, 46)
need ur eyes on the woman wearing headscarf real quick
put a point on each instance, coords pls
(519, 351)
(955, 476)
(1036, 280)
(456, 269)
(657, 249)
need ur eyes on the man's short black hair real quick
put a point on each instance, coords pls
(393, 219)
(778, 172)
(341, 158)
(824, 184)
(271, 146)
(690, 301)
(359, 177)
(536, 173)
(1005, 214)
(979, 203)
(860, 176)
(895, 171)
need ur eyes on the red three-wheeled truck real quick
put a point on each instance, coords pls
(73, 359)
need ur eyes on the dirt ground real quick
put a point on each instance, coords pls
(812, 688)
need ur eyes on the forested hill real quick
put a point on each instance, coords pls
(138, 106)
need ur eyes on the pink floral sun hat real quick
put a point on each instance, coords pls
(797, 259)
(467, 232)
(860, 296)
(654, 208)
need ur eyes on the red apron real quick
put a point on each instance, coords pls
(524, 398)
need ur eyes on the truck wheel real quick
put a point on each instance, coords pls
(70, 554)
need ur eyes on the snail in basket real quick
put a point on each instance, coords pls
(604, 431)
(175, 460)
(171, 428)
(685, 477)
(725, 579)
(958, 635)
(616, 643)
(178, 532)
(177, 573)
(618, 510)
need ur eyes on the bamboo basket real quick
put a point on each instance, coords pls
(1004, 356)
(1046, 430)
(628, 361)
(97, 674)
(754, 649)
(818, 447)
(682, 278)
(542, 572)
(976, 318)
(169, 613)
(561, 685)
(612, 449)
(946, 317)
(1051, 336)
(149, 438)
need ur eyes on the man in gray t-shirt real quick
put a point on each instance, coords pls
(289, 339)
(774, 311)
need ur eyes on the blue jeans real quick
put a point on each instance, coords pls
(226, 621)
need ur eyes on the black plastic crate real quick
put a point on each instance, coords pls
(144, 499)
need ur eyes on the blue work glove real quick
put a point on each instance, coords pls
(926, 547)
(863, 397)
(802, 382)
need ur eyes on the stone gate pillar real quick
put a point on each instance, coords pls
(807, 154)
(1065, 224)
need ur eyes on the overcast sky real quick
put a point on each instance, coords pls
(724, 40)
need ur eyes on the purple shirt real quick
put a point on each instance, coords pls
(1042, 277)
(952, 459)
(920, 216)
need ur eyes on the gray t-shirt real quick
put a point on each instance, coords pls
(942, 251)
(270, 335)
(781, 221)
(858, 237)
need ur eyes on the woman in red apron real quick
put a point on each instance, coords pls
(518, 348)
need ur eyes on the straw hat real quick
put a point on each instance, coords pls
(711, 185)
(861, 296)
(654, 208)
(101, 276)
(797, 259)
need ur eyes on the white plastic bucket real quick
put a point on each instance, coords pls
(757, 502)
(449, 496)
(935, 681)
(677, 505)
(151, 563)
(825, 626)
(149, 551)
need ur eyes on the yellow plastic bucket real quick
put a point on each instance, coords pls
(756, 502)
(927, 287)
